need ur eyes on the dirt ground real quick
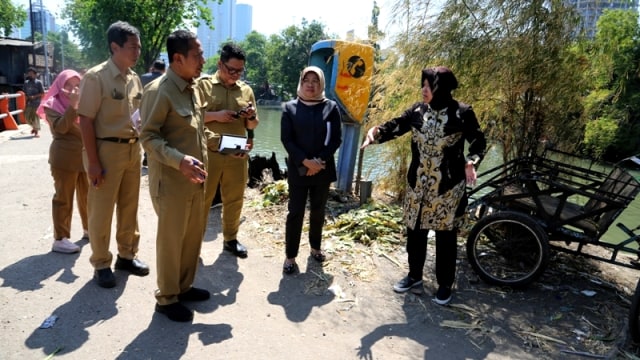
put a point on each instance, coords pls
(344, 309)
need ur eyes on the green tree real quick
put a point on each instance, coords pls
(89, 20)
(254, 46)
(513, 60)
(288, 53)
(66, 54)
(613, 103)
(274, 53)
(211, 65)
(10, 16)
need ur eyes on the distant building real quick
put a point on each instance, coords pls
(231, 21)
(590, 11)
(244, 18)
(42, 20)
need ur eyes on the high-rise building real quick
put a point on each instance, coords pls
(231, 21)
(244, 17)
(590, 11)
(43, 22)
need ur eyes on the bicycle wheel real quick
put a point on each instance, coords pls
(634, 315)
(508, 249)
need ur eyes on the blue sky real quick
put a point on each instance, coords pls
(339, 16)
(270, 17)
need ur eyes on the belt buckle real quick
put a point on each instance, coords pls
(132, 140)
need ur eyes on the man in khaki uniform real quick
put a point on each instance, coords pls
(175, 140)
(225, 95)
(110, 95)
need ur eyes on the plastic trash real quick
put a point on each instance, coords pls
(588, 293)
(336, 290)
(48, 322)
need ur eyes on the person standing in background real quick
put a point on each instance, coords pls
(110, 95)
(157, 69)
(59, 107)
(34, 91)
(230, 111)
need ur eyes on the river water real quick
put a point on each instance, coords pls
(267, 140)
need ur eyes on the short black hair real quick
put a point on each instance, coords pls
(159, 65)
(231, 51)
(179, 42)
(119, 33)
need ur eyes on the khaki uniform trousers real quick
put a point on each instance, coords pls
(181, 228)
(66, 183)
(32, 117)
(121, 164)
(231, 173)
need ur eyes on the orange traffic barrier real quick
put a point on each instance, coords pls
(6, 115)
(21, 104)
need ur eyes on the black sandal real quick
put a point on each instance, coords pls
(318, 256)
(289, 268)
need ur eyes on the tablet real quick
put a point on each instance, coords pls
(233, 144)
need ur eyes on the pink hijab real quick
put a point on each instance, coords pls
(54, 98)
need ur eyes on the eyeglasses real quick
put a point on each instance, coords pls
(233, 71)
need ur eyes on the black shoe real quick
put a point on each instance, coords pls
(289, 268)
(105, 278)
(144, 159)
(175, 312)
(194, 294)
(443, 296)
(236, 248)
(405, 284)
(135, 266)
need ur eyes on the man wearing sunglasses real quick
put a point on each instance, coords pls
(230, 110)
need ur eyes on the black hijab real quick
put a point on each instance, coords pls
(442, 82)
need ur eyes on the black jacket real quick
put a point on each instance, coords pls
(309, 132)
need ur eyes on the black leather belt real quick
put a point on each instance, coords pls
(120, 140)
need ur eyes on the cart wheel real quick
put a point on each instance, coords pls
(634, 315)
(508, 249)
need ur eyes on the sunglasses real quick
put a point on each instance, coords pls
(233, 71)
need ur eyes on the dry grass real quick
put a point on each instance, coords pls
(552, 317)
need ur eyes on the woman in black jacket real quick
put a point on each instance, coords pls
(437, 176)
(311, 134)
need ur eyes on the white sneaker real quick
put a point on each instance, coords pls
(65, 246)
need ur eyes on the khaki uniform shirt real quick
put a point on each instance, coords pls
(110, 99)
(65, 151)
(218, 98)
(172, 114)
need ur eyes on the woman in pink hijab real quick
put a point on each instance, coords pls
(59, 107)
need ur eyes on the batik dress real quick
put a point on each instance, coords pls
(436, 178)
